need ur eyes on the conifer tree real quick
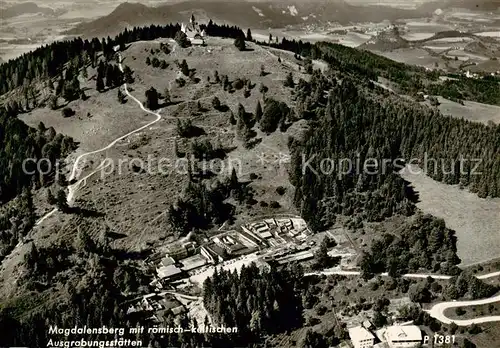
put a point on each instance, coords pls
(289, 81)
(61, 200)
(53, 102)
(121, 97)
(258, 111)
(99, 82)
(152, 99)
(249, 35)
(232, 120)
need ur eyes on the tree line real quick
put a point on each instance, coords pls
(423, 244)
(49, 60)
(19, 142)
(357, 124)
(257, 301)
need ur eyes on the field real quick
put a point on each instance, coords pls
(471, 111)
(413, 56)
(22, 34)
(474, 219)
(416, 36)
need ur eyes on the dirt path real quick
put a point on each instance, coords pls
(76, 171)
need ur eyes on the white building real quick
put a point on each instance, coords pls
(361, 337)
(193, 32)
(168, 271)
(403, 336)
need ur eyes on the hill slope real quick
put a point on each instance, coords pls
(24, 8)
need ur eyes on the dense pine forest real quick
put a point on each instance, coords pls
(424, 244)
(18, 142)
(362, 123)
(90, 295)
(257, 301)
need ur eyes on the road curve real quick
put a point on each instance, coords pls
(73, 188)
(437, 311)
(408, 275)
(357, 273)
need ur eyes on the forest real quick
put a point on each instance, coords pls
(257, 301)
(18, 178)
(92, 282)
(19, 142)
(424, 244)
(362, 123)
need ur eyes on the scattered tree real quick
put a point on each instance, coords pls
(152, 99)
(121, 97)
(216, 103)
(289, 81)
(184, 68)
(62, 200)
(182, 39)
(67, 112)
(249, 35)
(239, 42)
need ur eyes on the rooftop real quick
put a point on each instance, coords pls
(168, 271)
(359, 333)
(265, 235)
(167, 261)
(403, 333)
(193, 262)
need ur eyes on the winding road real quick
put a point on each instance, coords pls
(73, 188)
(437, 311)
(408, 275)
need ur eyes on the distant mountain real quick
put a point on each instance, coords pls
(478, 5)
(24, 8)
(263, 14)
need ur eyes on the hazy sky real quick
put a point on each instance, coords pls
(398, 3)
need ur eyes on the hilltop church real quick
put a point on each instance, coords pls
(193, 32)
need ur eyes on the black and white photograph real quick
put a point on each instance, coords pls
(250, 173)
